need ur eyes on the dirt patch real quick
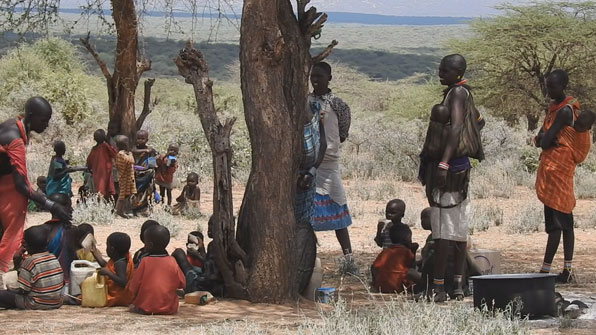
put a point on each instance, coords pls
(520, 253)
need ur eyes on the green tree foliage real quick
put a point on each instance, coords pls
(510, 55)
(52, 68)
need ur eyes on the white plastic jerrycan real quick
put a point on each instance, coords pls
(79, 270)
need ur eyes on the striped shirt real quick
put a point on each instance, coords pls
(126, 175)
(41, 277)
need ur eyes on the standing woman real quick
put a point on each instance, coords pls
(562, 149)
(447, 176)
(331, 209)
(14, 185)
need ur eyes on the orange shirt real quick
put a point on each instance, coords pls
(554, 178)
(390, 268)
(117, 295)
(154, 285)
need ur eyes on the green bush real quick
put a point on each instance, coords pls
(50, 68)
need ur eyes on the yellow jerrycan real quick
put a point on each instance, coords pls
(94, 291)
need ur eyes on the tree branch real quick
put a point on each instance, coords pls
(317, 25)
(193, 67)
(143, 66)
(147, 104)
(100, 63)
(325, 53)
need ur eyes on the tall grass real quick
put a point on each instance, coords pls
(407, 317)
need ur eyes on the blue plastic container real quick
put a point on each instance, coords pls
(325, 294)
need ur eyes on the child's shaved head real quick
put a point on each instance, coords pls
(425, 218)
(99, 136)
(146, 225)
(59, 147)
(122, 142)
(584, 121)
(395, 209)
(157, 238)
(440, 113)
(36, 239)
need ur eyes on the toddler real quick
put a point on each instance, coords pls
(166, 167)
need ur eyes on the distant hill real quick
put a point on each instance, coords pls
(342, 17)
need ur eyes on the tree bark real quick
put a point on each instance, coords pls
(275, 64)
(128, 69)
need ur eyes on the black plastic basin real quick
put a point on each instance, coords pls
(536, 291)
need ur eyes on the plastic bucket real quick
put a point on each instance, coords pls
(325, 295)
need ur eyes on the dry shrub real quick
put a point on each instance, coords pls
(528, 219)
(482, 217)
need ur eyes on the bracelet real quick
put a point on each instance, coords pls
(443, 166)
(49, 204)
(312, 171)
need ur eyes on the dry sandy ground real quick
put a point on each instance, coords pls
(520, 253)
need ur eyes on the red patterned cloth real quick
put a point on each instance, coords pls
(390, 269)
(554, 179)
(13, 205)
(99, 162)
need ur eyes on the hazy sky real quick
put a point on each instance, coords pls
(386, 7)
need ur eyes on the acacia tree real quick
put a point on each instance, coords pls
(510, 55)
(129, 64)
(258, 261)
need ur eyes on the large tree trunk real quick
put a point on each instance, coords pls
(128, 69)
(258, 263)
(275, 64)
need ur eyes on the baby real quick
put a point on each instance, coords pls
(436, 135)
(584, 121)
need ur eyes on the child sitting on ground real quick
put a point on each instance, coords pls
(58, 180)
(126, 177)
(143, 252)
(190, 196)
(99, 163)
(118, 270)
(390, 268)
(394, 213)
(157, 278)
(166, 167)
(83, 232)
(192, 262)
(40, 276)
